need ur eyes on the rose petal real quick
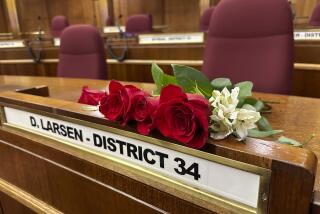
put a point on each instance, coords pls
(200, 103)
(172, 92)
(145, 127)
(91, 97)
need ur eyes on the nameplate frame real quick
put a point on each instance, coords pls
(307, 35)
(12, 44)
(176, 38)
(56, 42)
(113, 29)
(238, 185)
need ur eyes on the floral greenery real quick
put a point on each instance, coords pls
(193, 81)
(187, 107)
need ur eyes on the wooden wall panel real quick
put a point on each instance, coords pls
(304, 8)
(77, 12)
(9, 205)
(3, 18)
(182, 16)
(28, 13)
(127, 8)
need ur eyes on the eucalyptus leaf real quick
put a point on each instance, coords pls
(248, 107)
(289, 141)
(157, 74)
(264, 124)
(189, 78)
(161, 79)
(245, 91)
(261, 134)
(257, 104)
(221, 83)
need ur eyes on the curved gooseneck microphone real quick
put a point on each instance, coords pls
(122, 35)
(36, 55)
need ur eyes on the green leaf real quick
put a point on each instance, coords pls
(189, 78)
(264, 124)
(257, 104)
(221, 83)
(249, 107)
(161, 79)
(261, 134)
(289, 141)
(245, 91)
(157, 74)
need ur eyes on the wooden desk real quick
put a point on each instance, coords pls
(298, 117)
(17, 61)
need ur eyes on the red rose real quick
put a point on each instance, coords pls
(117, 104)
(91, 97)
(183, 117)
(142, 110)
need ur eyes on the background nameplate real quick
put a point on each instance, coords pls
(12, 44)
(209, 175)
(171, 38)
(307, 35)
(56, 42)
(114, 29)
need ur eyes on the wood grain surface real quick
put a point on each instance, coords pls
(298, 117)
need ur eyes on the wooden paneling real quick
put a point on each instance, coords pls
(3, 18)
(304, 8)
(292, 168)
(77, 12)
(9, 205)
(127, 8)
(304, 81)
(182, 16)
(28, 13)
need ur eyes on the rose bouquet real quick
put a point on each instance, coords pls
(186, 107)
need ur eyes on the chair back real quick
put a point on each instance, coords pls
(205, 19)
(82, 53)
(137, 24)
(315, 17)
(58, 24)
(251, 40)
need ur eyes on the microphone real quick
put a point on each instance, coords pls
(39, 28)
(121, 33)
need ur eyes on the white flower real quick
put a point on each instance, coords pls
(226, 119)
(225, 100)
(221, 129)
(224, 112)
(245, 120)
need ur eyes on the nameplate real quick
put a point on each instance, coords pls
(12, 44)
(56, 42)
(214, 175)
(114, 29)
(307, 35)
(148, 39)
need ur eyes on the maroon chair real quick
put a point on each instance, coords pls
(139, 24)
(58, 24)
(109, 21)
(251, 40)
(82, 53)
(205, 19)
(315, 18)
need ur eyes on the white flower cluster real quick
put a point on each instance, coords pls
(227, 119)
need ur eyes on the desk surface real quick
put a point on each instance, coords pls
(299, 117)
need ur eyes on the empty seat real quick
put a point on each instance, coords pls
(139, 24)
(251, 40)
(82, 53)
(315, 18)
(58, 24)
(109, 21)
(205, 19)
